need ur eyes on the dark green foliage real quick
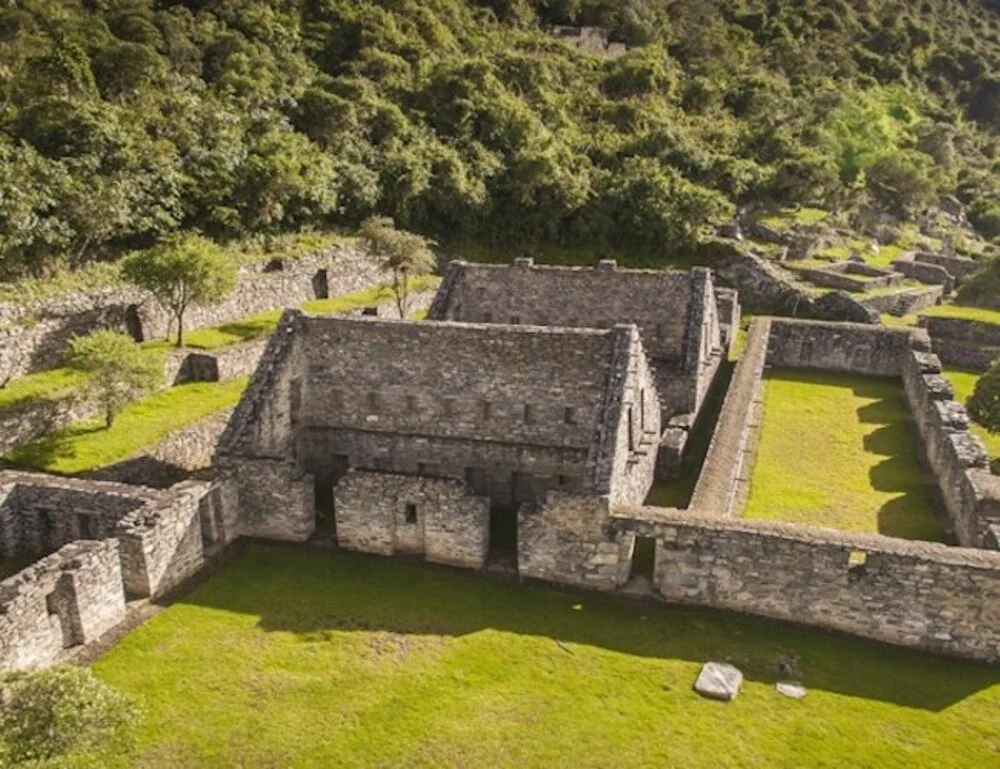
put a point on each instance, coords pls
(983, 288)
(64, 717)
(984, 403)
(122, 121)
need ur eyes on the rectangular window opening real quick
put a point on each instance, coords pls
(411, 513)
(529, 414)
(412, 405)
(486, 410)
(373, 400)
(569, 415)
(449, 407)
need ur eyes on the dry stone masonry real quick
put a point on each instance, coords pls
(99, 544)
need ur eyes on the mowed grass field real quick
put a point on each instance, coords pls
(293, 658)
(836, 450)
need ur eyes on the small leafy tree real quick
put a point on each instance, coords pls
(180, 272)
(116, 369)
(62, 717)
(404, 255)
(984, 403)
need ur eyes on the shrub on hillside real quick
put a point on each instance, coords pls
(984, 403)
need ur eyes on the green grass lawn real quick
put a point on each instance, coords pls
(86, 446)
(980, 314)
(964, 382)
(45, 385)
(263, 324)
(292, 658)
(836, 450)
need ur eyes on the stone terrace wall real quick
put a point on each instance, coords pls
(853, 347)
(726, 461)
(69, 598)
(388, 514)
(968, 344)
(959, 267)
(957, 458)
(916, 594)
(34, 335)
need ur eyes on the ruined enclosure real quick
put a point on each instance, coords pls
(839, 450)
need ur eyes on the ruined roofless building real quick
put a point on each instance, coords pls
(428, 437)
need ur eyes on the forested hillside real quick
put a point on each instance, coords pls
(124, 120)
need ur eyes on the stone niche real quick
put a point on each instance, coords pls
(389, 513)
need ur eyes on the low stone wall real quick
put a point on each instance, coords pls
(916, 594)
(957, 458)
(388, 513)
(925, 273)
(847, 279)
(33, 420)
(34, 335)
(726, 460)
(853, 347)
(959, 267)
(69, 598)
(905, 301)
(172, 459)
(968, 344)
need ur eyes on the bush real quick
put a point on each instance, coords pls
(64, 717)
(984, 403)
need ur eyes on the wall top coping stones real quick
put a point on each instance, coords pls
(630, 518)
(838, 325)
(66, 558)
(604, 265)
(412, 328)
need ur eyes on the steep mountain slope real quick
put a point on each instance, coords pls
(123, 120)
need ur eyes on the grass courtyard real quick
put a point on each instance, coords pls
(836, 450)
(293, 658)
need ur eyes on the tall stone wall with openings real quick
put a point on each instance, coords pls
(34, 335)
(956, 457)
(677, 313)
(67, 599)
(389, 514)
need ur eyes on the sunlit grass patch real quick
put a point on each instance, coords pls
(836, 450)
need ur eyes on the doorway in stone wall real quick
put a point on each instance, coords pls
(321, 284)
(133, 323)
(325, 505)
(640, 578)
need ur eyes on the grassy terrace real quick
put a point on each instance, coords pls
(292, 658)
(963, 382)
(980, 314)
(836, 451)
(58, 382)
(86, 446)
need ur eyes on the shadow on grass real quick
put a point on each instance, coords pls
(321, 595)
(44, 452)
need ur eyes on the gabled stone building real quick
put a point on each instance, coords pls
(687, 325)
(430, 436)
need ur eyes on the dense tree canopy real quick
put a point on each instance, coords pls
(122, 121)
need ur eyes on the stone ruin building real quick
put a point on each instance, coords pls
(521, 427)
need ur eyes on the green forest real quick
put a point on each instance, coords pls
(123, 121)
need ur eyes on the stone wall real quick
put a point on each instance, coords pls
(69, 598)
(968, 344)
(925, 273)
(677, 313)
(34, 335)
(162, 544)
(916, 594)
(387, 513)
(959, 267)
(172, 459)
(727, 460)
(853, 347)
(567, 541)
(160, 533)
(956, 457)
